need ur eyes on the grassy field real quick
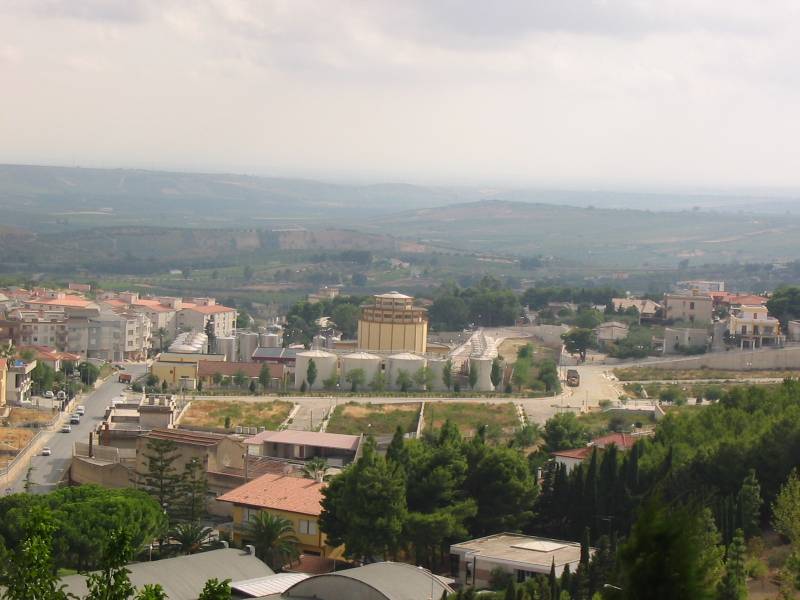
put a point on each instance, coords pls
(468, 416)
(600, 422)
(692, 390)
(377, 419)
(509, 348)
(212, 413)
(653, 374)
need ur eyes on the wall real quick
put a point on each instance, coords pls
(112, 475)
(771, 358)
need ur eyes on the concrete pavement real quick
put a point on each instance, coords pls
(49, 470)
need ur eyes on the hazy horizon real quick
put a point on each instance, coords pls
(678, 96)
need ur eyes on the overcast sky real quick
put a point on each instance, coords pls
(543, 92)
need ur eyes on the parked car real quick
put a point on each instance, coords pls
(49, 394)
(66, 428)
(46, 451)
(75, 419)
(81, 410)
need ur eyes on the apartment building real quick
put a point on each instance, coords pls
(753, 327)
(18, 380)
(195, 315)
(694, 307)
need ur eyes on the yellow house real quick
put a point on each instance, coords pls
(295, 498)
(3, 375)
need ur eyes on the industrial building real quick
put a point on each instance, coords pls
(391, 323)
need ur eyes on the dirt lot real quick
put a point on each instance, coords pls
(501, 419)
(212, 413)
(509, 347)
(29, 415)
(377, 419)
(14, 438)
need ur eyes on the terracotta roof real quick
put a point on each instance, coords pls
(623, 441)
(153, 305)
(116, 302)
(748, 299)
(207, 310)
(66, 301)
(183, 436)
(279, 492)
(579, 453)
(318, 439)
(313, 565)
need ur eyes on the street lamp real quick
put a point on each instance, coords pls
(431, 574)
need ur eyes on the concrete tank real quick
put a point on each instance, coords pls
(227, 346)
(247, 342)
(324, 361)
(436, 365)
(270, 340)
(405, 361)
(484, 367)
(369, 363)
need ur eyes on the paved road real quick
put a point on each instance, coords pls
(49, 470)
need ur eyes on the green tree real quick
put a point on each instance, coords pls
(786, 509)
(378, 383)
(161, 333)
(784, 304)
(588, 318)
(734, 583)
(273, 537)
(423, 378)
(315, 468)
(447, 374)
(356, 378)
(472, 378)
(111, 581)
(346, 317)
(239, 378)
(564, 431)
(364, 507)
(160, 479)
(192, 537)
(151, 591)
(193, 492)
(750, 504)
(216, 590)
(42, 377)
(330, 383)
(311, 372)
(497, 373)
(403, 380)
(578, 341)
(252, 387)
(88, 372)
(448, 313)
(264, 377)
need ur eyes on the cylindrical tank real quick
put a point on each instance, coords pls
(247, 342)
(436, 366)
(270, 340)
(325, 363)
(369, 363)
(227, 346)
(484, 367)
(405, 361)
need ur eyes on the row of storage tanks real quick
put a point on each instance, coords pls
(328, 364)
(241, 346)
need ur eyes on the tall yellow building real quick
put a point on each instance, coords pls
(393, 324)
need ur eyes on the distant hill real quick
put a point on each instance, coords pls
(599, 236)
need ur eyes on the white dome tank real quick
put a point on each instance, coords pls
(324, 361)
(405, 361)
(484, 367)
(436, 365)
(369, 363)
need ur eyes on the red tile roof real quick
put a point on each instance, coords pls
(279, 492)
(623, 441)
(318, 439)
(579, 453)
(207, 310)
(153, 305)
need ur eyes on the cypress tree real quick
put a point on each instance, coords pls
(734, 583)
(750, 504)
(553, 581)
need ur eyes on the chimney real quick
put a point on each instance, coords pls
(106, 434)
(91, 444)
(250, 549)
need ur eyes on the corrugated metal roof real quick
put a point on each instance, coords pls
(271, 584)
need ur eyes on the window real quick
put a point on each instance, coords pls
(691, 305)
(307, 527)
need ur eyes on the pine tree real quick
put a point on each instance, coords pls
(553, 581)
(397, 451)
(193, 492)
(160, 479)
(750, 504)
(734, 583)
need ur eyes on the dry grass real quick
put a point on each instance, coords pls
(377, 419)
(509, 347)
(29, 415)
(654, 374)
(468, 416)
(14, 438)
(212, 413)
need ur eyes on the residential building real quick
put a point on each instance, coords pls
(195, 315)
(50, 356)
(336, 448)
(45, 327)
(18, 380)
(611, 331)
(647, 309)
(179, 369)
(184, 577)
(295, 498)
(684, 338)
(701, 285)
(571, 458)
(125, 421)
(324, 293)
(752, 327)
(3, 381)
(522, 556)
(375, 581)
(391, 323)
(692, 307)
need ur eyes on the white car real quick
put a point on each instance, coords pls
(81, 410)
(49, 394)
(46, 451)
(66, 429)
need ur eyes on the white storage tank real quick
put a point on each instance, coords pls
(227, 346)
(436, 365)
(324, 361)
(270, 340)
(405, 361)
(369, 363)
(484, 367)
(247, 342)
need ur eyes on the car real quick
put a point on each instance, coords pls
(66, 428)
(81, 410)
(75, 419)
(46, 451)
(49, 394)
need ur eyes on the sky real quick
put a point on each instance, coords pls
(580, 93)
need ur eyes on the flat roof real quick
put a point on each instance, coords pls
(186, 437)
(521, 549)
(318, 439)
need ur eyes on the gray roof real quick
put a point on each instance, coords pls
(264, 352)
(183, 577)
(387, 580)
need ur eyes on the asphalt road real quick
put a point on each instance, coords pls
(49, 470)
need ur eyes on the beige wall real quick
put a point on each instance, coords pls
(3, 376)
(697, 309)
(172, 372)
(113, 475)
(393, 337)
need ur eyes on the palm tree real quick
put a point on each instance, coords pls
(8, 351)
(316, 469)
(192, 537)
(274, 538)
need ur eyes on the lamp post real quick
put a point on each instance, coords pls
(431, 576)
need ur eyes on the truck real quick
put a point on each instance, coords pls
(124, 378)
(573, 378)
